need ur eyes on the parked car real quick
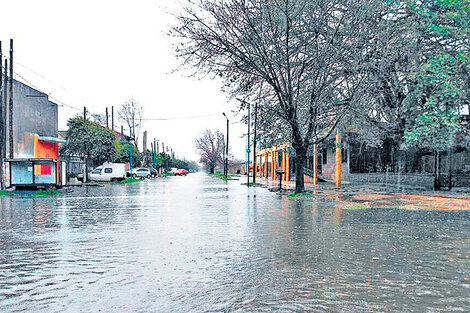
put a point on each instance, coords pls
(153, 171)
(107, 172)
(141, 172)
(181, 172)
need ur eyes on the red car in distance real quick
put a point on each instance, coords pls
(181, 172)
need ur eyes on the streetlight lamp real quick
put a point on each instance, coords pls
(226, 149)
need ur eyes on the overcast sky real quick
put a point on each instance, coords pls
(100, 53)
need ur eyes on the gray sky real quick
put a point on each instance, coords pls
(100, 53)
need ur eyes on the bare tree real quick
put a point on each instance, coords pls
(98, 118)
(210, 145)
(131, 113)
(306, 56)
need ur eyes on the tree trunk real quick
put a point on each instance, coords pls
(436, 171)
(450, 169)
(211, 170)
(300, 161)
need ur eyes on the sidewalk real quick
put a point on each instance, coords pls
(357, 196)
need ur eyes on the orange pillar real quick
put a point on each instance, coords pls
(272, 165)
(266, 165)
(338, 159)
(287, 167)
(260, 166)
(283, 164)
(275, 165)
(315, 165)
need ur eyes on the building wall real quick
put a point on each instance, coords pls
(32, 113)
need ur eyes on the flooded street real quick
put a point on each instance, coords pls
(199, 244)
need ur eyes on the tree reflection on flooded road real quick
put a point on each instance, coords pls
(199, 244)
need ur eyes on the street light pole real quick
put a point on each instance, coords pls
(248, 150)
(131, 153)
(226, 149)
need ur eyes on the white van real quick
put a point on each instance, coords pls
(108, 172)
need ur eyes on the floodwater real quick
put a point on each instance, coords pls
(198, 244)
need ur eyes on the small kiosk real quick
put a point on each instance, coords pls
(40, 170)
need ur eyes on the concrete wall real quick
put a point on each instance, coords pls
(417, 180)
(32, 113)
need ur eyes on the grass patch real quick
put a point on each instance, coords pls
(167, 174)
(357, 206)
(221, 176)
(252, 184)
(5, 193)
(46, 193)
(129, 180)
(300, 195)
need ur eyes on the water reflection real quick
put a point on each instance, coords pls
(196, 244)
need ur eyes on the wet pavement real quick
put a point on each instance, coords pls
(199, 244)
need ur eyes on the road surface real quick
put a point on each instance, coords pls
(199, 244)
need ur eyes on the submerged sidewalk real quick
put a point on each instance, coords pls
(359, 196)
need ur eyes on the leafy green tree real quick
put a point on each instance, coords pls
(122, 153)
(442, 79)
(92, 142)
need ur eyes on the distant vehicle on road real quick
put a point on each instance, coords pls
(173, 170)
(141, 172)
(107, 172)
(181, 172)
(153, 171)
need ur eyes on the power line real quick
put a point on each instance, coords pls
(51, 82)
(61, 103)
(180, 118)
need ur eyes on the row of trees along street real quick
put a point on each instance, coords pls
(396, 69)
(95, 144)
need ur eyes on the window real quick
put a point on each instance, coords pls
(142, 170)
(108, 170)
(96, 171)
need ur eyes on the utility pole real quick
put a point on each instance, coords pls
(248, 150)
(107, 123)
(122, 130)
(226, 150)
(2, 121)
(145, 142)
(84, 113)
(5, 84)
(131, 156)
(254, 144)
(144, 148)
(154, 149)
(112, 118)
(155, 154)
(223, 154)
(10, 122)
